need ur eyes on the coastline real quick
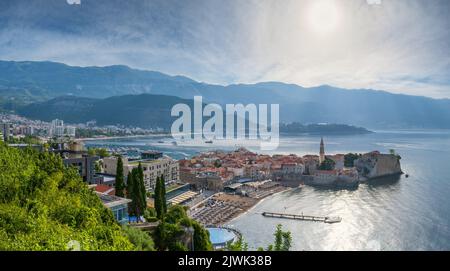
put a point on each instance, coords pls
(349, 133)
(120, 137)
(257, 203)
(246, 205)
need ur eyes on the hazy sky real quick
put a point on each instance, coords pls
(401, 46)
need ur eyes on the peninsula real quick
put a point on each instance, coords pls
(241, 178)
(296, 128)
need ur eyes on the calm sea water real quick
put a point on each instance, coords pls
(392, 214)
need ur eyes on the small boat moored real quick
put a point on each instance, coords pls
(333, 219)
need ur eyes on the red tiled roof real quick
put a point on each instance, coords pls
(332, 172)
(104, 189)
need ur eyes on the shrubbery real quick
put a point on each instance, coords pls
(44, 205)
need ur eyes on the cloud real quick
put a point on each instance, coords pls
(398, 46)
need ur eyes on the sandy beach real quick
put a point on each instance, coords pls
(222, 208)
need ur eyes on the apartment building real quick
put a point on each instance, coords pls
(152, 168)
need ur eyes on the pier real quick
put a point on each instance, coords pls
(324, 219)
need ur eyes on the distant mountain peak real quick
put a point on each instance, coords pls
(28, 81)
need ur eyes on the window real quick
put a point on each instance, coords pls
(120, 214)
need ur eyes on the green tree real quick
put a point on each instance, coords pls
(163, 194)
(168, 236)
(119, 184)
(160, 236)
(92, 152)
(157, 199)
(349, 159)
(160, 197)
(328, 164)
(150, 215)
(238, 245)
(392, 152)
(175, 227)
(287, 241)
(45, 205)
(30, 140)
(202, 240)
(177, 214)
(130, 195)
(102, 153)
(283, 240)
(217, 163)
(97, 166)
(142, 190)
(140, 239)
(138, 198)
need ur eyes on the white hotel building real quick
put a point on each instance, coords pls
(152, 168)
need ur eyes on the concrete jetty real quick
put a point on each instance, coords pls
(325, 219)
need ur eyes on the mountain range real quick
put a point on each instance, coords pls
(35, 89)
(142, 110)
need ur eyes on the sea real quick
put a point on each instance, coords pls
(390, 214)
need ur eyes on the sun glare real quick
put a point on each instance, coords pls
(323, 16)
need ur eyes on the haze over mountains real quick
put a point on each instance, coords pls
(142, 110)
(25, 83)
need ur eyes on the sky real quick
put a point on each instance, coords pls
(400, 46)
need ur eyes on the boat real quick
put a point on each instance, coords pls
(209, 142)
(160, 141)
(333, 219)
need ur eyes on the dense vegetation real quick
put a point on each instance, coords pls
(140, 239)
(31, 140)
(349, 159)
(173, 232)
(282, 242)
(102, 152)
(175, 227)
(44, 206)
(327, 164)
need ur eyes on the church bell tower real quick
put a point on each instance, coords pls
(322, 152)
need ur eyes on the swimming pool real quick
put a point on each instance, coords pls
(221, 236)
